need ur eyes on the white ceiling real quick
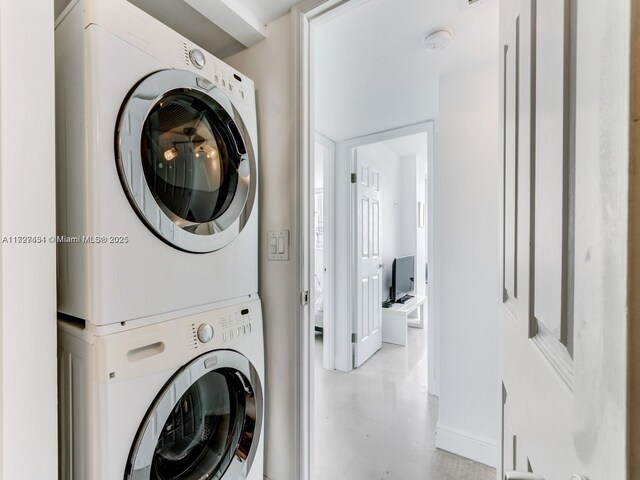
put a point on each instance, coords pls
(372, 72)
(410, 145)
(269, 10)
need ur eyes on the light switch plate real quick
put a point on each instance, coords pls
(278, 245)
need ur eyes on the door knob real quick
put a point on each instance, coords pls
(381, 265)
(521, 476)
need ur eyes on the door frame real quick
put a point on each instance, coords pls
(328, 287)
(303, 132)
(633, 412)
(345, 152)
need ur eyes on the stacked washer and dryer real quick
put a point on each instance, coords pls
(161, 362)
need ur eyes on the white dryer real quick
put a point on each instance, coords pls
(180, 400)
(156, 169)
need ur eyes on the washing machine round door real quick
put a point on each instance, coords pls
(204, 424)
(186, 161)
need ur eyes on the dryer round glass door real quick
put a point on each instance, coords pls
(204, 424)
(186, 161)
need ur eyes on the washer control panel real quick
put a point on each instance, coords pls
(218, 328)
(236, 325)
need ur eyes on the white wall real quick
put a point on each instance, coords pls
(413, 236)
(468, 179)
(28, 425)
(269, 65)
(409, 199)
(385, 78)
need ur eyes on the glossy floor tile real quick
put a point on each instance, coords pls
(378, 422)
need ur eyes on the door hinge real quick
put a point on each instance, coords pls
(354, 339)
(354, 177)
(304, 298)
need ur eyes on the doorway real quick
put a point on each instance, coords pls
(397, 161)
(395, 164)
(344, 149)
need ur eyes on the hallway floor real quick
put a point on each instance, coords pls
(378, 422)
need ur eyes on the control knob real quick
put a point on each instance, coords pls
(197, 58)
(205, 333)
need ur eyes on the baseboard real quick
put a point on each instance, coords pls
(465, 444)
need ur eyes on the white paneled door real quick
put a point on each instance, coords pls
(563, 319)
(368, 304)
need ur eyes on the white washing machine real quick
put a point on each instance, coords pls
(179, 400)
(157, 169)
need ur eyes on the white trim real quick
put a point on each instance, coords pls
(402, 131)
(354, 264)
(475, 447)
(302, 370)
(333, 12)
(433, 253)
(343, 348)
(328, 288)
(302, 130)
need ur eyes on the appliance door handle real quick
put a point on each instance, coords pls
(521, 476)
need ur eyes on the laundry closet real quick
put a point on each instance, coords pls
(160, 338)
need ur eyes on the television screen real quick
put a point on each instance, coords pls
(403, 276)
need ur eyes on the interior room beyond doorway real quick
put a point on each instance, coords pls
(390, 232)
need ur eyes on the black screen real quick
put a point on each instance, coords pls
(403, 276)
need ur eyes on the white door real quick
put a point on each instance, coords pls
(368, 304)
(563, 317)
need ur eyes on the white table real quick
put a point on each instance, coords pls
(399, 316)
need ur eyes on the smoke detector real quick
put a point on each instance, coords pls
(438, 40)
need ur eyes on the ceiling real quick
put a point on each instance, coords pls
(409, 145)
(269, 10)
(372, 72)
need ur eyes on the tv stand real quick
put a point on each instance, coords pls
(404, 299)
(399, 316)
